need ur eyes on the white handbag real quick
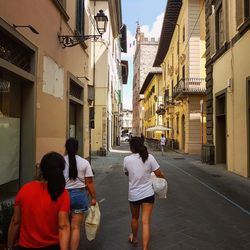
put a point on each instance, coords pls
(92, 222)
(160, 186)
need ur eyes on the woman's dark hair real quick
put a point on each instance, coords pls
(52, 166)
(137, 146)
(71, 148)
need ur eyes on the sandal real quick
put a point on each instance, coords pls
(131, 240)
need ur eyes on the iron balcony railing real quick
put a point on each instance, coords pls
(190, 86)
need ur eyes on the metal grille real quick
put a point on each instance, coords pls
(14, 52)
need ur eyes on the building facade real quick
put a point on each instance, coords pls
(228, 81)
(152, 103)
(145, 52)
(181, 55)
(44, 87)
(106, 73)
(126, 121)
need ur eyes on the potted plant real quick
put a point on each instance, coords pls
(6, 211)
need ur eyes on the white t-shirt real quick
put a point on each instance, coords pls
(163, 141)
(84, 170)
(139, 174)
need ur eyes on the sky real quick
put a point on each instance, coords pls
(149, 14)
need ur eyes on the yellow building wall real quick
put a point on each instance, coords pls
(152, 104)
(172, 67)
(234, 65)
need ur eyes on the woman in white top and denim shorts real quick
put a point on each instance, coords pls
(79, 176)
(138, 167)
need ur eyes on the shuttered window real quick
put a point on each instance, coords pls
(247, 8)
(212, 34)
(239, 12)
(219, 28)
(80, 16)
(242, 11)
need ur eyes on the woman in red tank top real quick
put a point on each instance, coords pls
(41, 211)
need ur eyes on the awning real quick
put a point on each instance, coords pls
(158, 128)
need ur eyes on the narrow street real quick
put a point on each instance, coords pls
(206, 208)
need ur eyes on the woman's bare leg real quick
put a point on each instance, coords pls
(75, 229)
(135, 212)
(146, 216)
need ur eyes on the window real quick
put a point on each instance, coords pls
(183, 33)
(242, 11)
(219, 27)
(80, 17)
(177, 124)
(183, 72)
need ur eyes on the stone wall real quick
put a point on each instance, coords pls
(208, 149)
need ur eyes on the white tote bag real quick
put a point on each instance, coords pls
(92, 222)
(160, 186)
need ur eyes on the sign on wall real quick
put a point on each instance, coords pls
(53, 78)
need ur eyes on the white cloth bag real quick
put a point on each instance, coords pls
(92, 222)
(160, 186)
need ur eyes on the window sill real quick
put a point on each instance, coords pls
(61, 9)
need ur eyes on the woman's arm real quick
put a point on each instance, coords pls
(64, 230)
(91, 189)
(158, 173)
(14, 226)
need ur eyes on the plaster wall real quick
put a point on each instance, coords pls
(51, 129)
(234, 65)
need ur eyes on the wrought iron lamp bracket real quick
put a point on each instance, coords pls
(71, 41)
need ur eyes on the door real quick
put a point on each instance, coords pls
(248, 125)
(221, 142)
(183, 133)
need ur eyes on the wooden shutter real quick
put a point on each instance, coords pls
(239, 12)
(212, 34)
(225, 20)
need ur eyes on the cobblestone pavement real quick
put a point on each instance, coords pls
(207, 207)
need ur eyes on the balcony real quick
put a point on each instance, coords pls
(190, 86)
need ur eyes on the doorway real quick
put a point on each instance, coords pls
(183, 132)
(221, 142)
(76, 118)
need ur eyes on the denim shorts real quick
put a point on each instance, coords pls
(78, 200)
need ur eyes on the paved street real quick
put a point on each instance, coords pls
(207, 207)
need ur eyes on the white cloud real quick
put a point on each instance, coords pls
(156, 28)
(154, 32)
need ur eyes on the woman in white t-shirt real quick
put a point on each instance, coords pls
(138, 167)
(79, 176)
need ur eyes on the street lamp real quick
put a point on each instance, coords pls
(101, 23)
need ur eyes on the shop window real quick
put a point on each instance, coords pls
(10, 125)
(80, 17)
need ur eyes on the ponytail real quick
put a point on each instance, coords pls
(52, 166)
(137, 146)
(72, 147)
(143, 153)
